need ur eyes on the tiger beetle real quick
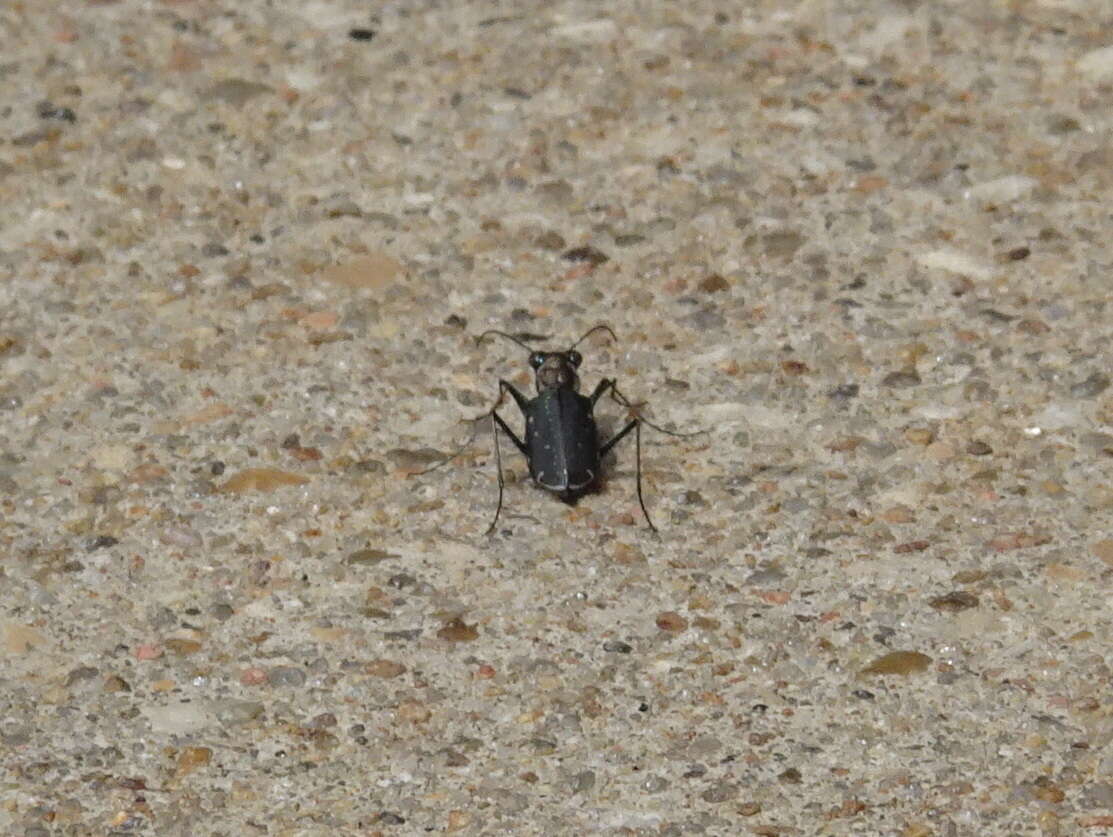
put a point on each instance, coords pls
(562, 445)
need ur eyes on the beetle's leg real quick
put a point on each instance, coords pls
(601, 390)
(516, 394)
(638, 472)
(618, 437)
(497, 423)
(518, 443)
(496, 420)
(467, 443)
(504, 386)
(618, 397)
(636, 426)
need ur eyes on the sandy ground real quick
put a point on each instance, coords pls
(244, 250)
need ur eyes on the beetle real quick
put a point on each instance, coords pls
(562, 445)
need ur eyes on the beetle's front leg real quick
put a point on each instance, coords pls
(601, 390)
(522, 402)
(609, 384)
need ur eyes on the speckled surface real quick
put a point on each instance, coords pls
(243, 252)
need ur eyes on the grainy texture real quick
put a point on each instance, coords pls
(244, 247)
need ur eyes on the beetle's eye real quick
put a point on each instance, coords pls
(536, 359)
(574, 358)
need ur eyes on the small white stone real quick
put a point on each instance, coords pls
(1097, 65)
(954, 262)
(589, 31)
(800, 118)
(1056, 417)
(112, 457)
(176, 719)
(1001, 190)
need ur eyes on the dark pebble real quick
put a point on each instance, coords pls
(403, 636)
(213, 249)
(997, 316)
(31, 138)
(720, 792)
(714, 284)
(978, 448)
(102, 542)
(216, 468)
(583, 781)
(586, 254)
(1019, 254)
(955, 602)
(389, 818)
(414, 458)
(903, 378)
(81, 674)
(614, 646)
(400, 581)
(221, 612)
(360, 34)
(48, 110)
(368, 557)
(844, 391)
(628, 240)
(1095, 385)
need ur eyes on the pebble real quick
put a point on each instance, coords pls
(954, 602)
(587, 253)
(720, 792)
(286, 676)
(898, 662)
(671, 622)
(1093, 386)
(1097, 65)
(456, 630)
(231, 712)
(369, 557)
(261, 479)
(902, 378)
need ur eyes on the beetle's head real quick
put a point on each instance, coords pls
(556, 370)
(553, 370)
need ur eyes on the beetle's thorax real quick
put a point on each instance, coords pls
(557, 372)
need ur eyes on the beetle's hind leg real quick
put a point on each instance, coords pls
(636, 426)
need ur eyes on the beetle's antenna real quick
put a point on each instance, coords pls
(592, 330)
(511, 337)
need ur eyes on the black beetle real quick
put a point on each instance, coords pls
(562, 445)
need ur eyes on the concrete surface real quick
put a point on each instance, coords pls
(244, 248)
